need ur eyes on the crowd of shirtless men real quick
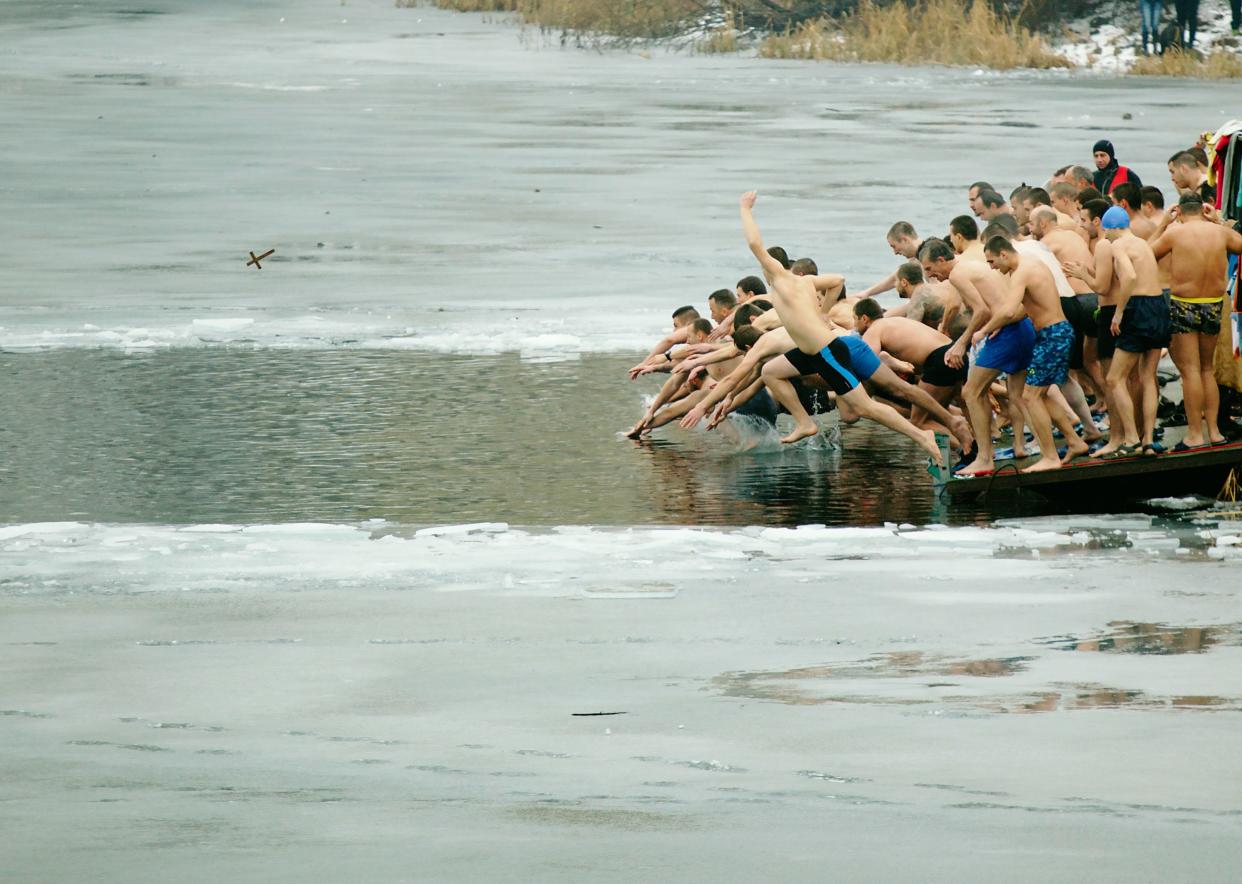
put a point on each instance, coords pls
(1030, 308)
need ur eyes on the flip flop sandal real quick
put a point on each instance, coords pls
(1150, 450)
(1123, 451)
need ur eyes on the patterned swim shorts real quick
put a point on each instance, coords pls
(1050, 359)
(1196, 318)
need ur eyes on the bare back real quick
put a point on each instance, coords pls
(1141, 226)
(1198, 257)
(908, 340)
(796, 305)
(1068, 246)
(842, 312)
(1147, 275)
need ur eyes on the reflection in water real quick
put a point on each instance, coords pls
(1125, 637)
(914, 667)
(252, 436)
(902, 677)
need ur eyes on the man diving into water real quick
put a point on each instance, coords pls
(817, 346)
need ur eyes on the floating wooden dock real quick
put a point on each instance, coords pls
(1200, 471)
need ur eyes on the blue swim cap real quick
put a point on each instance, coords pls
(1115, 219)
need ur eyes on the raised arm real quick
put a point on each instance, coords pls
(771, 267)
(826, 282)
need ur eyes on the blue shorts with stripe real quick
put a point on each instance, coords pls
(831, 363)
(862, 358)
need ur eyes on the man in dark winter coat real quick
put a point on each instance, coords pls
(1108, 174)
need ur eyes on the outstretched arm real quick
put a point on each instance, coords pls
(887, 283)
(720, 354)
(666, 343)
(748, 369)
(771, 267)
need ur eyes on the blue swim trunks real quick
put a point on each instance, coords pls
(831, 363)
(1051, 357)
(1009, 350)
(862, 357)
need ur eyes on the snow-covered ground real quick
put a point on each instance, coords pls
(1106, 44)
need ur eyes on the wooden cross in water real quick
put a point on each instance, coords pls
(256, 259)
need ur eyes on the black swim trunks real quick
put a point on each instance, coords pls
(1146, 324)
(1107, 344)
(936, 373)
(1088, 303)
(832, 364)
(761, 405)
(1072, 308)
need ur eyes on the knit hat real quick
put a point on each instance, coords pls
(1115, 219)
(1107, 147)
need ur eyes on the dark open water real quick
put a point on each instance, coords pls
(243, 436)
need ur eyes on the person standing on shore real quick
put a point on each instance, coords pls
(1108, 173)
(1187, 22)
(1149, 11)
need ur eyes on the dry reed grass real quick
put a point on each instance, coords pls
(722, 39)
(466, 5)
(933, 32)
(634, 19)
(1221, 64)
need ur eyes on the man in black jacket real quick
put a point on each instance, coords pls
(1108, 174)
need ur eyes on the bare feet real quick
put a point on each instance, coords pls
(1044, 463)
(638, 429)
(1107, 449)
(978, 467)
(801, 431)
(927, 441)
(1075, 448)
(1112, 446)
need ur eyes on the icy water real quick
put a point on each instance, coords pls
(338, 569)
